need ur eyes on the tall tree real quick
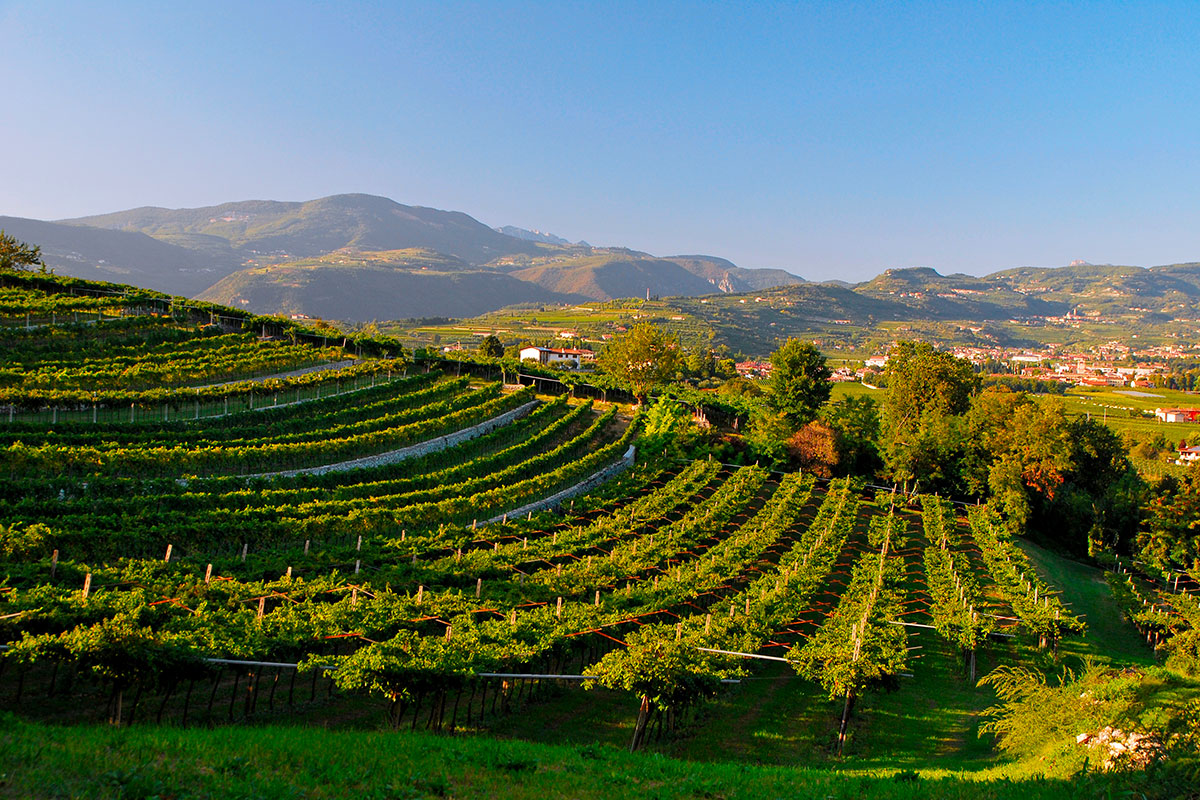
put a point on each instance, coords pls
(491, 347)
(643, 357)
(927, 391)
(16, 256)
(855, 420)
(799, 381)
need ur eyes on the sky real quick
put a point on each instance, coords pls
(834, 140)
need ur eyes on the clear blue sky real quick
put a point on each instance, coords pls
(830, 139)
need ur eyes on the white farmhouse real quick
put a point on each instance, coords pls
(553, 356)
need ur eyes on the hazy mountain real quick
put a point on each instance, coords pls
(313, 257)
(187, 251)
(957, 296)
(609, 274)
(260, 227)
(726, 276)
(122, 256)
(369, 286)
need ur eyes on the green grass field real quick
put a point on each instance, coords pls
(297, 762)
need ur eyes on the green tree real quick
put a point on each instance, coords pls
(768, 434)
(738, 386)
(927, 391)
(642, 358)
(16, 256)
(799, 382)
(491, 347)
(855, 420)
(1098, 506)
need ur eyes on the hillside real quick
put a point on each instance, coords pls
(321, 226)
(212, 521)
(189, 251)
(728, 277)
(123, 256)
(276, 249)
(929, 294)
(1173, 289)
(376, 286)
(610, 274)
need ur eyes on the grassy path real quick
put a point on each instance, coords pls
(1109, 636)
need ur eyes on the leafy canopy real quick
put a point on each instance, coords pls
(643, 357)
(799, 381)
(491, 347)
(928, 390)
(16, 256)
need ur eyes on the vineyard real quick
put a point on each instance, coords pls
(203, 526)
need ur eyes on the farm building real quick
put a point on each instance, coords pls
(1177, 414)
(552, 356)
(1188, 455)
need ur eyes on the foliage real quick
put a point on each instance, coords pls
(667, 425)
(1041, 718)
(19, 541)
(16, 256)
(855, 421)
(814, 449)
(857, 644)
(643, 357)
(927, 390)
(768, 434)
(799, 381)
(664, 668)
(491, 347)
(1170, 533)
(1017, 581)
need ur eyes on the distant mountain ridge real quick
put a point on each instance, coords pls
(317, 227)
(271, 256)
(120, 256)
(360, 257)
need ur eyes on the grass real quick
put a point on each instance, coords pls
(1108, 637)
(291, 762)
(854, 389)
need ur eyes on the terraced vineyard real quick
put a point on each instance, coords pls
(298, 543)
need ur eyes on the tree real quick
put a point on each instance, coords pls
(1100, 501)
(921, 379)
(663, 668)
(16, 256)
(855, 420)
(799, 381)
(814, 448)
(768, 433)
(1170, 536)
(737, 387)
(643, 357)
(927, 391)
(491, 347)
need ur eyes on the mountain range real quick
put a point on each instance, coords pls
(358, 257)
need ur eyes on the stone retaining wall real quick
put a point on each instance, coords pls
(413, 451)
(586, 485)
